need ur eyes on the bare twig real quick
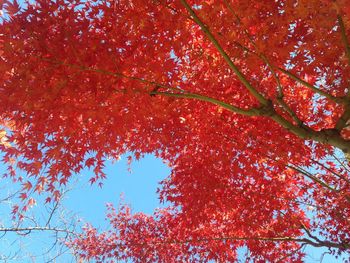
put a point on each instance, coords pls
(28, 230)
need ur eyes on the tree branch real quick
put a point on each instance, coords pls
(341, 123)
(339, 100)
(262, 56)
(28, 230)
(313, 178)
(282, 259)
(110, 73)
(346, 114)
(347, 168)
(251, 112)
(330, 170)
(328, 244)
(344, 38)
(228, 60)
(183, 94)
(324, 136)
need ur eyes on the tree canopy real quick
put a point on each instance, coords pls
(247, 101)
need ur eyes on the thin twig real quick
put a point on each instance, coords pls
(331, 171)
(28, 230)
(313, 178)
(340, 100)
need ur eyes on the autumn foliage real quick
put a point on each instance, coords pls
(248, 102)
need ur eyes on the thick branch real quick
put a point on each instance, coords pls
(346, 114)
(331, 137)
(342, 122)
(228, 60)
(262, 56)
(344, 37)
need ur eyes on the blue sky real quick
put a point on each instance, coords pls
(85, 203)
(136, 187)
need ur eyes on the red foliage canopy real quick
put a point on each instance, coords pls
(248, 101)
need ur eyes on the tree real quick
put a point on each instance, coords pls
(38, 236)
(248, 102)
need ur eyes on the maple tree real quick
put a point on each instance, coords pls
(247, 101)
